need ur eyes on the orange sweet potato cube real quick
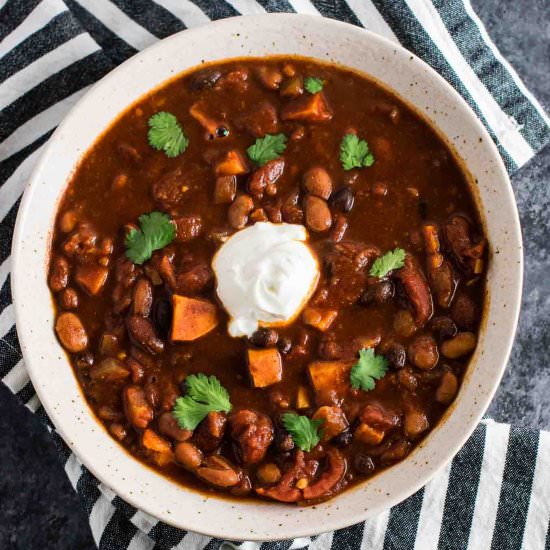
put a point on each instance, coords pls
(231, 164)
(265, 367)
(192, 318)
(91, 278)
(329, 379)
(321, 319)
(311, 108)
(368, 435)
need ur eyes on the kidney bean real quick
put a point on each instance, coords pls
(240, 209)
(188, 455)
(59, 274)
(264, 338)
(339, 228)
(291, 211)
(318, 216)
(264, 177)
(71, 332)
(142, 297)
(142, 333)
(169, 426)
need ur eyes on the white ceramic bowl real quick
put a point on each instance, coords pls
(51, 373)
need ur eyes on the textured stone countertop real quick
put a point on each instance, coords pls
(38, 509)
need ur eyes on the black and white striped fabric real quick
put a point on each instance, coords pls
(495, 494)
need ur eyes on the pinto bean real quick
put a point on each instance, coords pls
(138, 411)
(318, 182)
(266, 175)
(188, 455)
(403, 323)
(142, 333)
(71, 332)
(423, 352)
(142, 297)
(218, 472)
(187, 228)
(448, 386)
(68, 298)
(415, 423)
(462, 344)
(59, 273)
(169, 426)
(240, 209)
(253, 434)
(318, 216)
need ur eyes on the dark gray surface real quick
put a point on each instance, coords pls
(38, 509)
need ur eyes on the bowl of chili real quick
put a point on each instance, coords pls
(389, 359)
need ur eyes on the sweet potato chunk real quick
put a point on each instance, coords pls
(330, 380)
(368, 435)
(321, 319)
(311, 108)
(192, 318)
(160, 448)
(231, 164)
(264, 366)
(91, 278)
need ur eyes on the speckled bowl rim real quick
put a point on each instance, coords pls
(52, 377)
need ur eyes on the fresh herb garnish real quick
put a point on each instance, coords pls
(166, 134)
(395, 259)
(369, 368)
(355, 152)
(270, 147)
(204, 394)
(313, 85)
(304, 431)
(156, 231)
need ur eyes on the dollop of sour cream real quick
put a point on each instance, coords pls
(265, 274)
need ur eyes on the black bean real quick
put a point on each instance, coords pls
(443, 326)
(85, 360)
(162, 316)
(342, 199)
(284, 345)
(264, 337)
(363, 463)
(396, 355)
(343, 439)
(222, 131)
(378, 293)
(422, 209)
(283, 441)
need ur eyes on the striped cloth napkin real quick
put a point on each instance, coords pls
(496, 492)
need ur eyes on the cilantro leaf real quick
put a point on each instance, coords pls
(369, 368)
(355, 152)
(166, 134)
(204, 394)
(313, 85)
(395, 259)
(157, 230)
(270, 147)
(304, 431)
